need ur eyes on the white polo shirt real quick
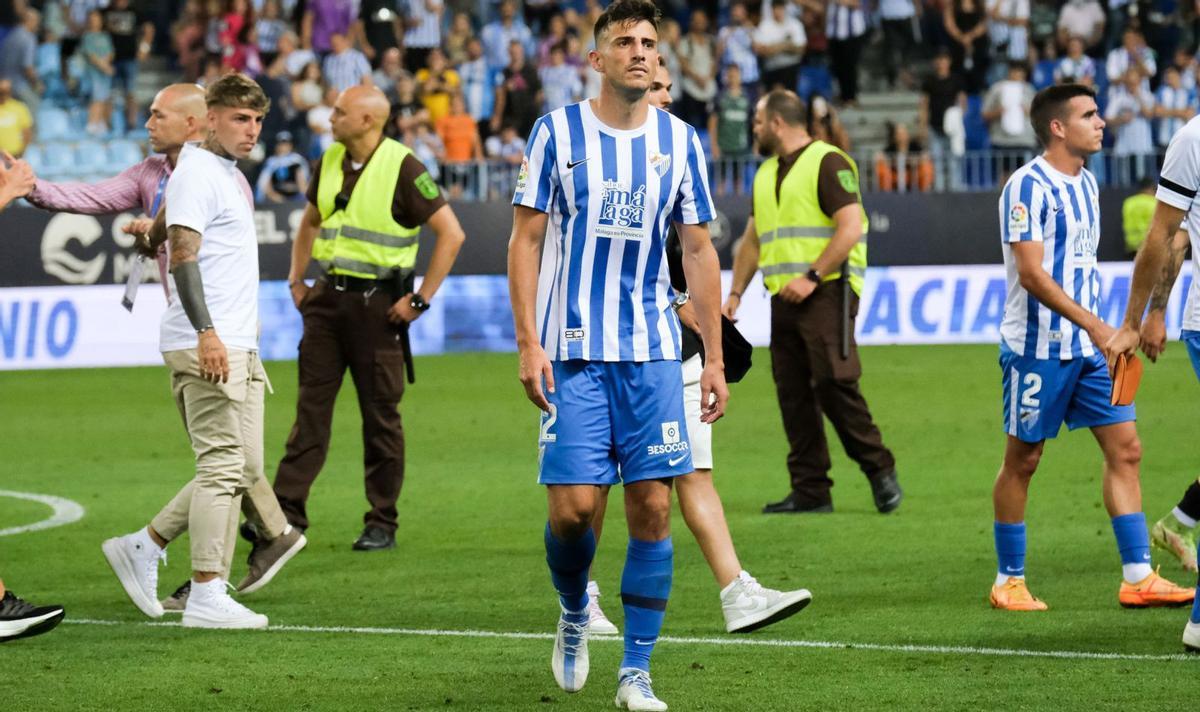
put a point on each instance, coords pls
(1178, 185)
(205, 193)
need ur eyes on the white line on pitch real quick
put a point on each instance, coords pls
(65, 512)
(731, 641)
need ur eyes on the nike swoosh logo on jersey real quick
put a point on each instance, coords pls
(676, 460)
(572, 164)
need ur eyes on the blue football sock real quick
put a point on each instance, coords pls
(645, 586)
(569, 564)
(1133, 539)
(1196, 603)
(1010, 548)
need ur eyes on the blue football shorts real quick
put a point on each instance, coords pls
(1191, 339)
(1041, 394)
(614, 421)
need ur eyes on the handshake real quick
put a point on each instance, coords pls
(18, 180)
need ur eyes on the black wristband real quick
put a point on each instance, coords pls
(418, 302)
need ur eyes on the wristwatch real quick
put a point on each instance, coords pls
(813, 276)
(418, 302)
(680, 299)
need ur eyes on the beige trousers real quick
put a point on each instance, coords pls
(224, 423)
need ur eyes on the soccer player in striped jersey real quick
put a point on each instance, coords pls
(1052, 349)
(599, 342)
(1176, 221)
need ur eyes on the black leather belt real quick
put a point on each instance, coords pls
(347, 283)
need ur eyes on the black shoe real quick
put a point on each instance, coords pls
(887, 493)
(375, 538)
(791, 505)
(19, 619)
(176, 602)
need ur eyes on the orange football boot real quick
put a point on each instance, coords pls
(1154, 590)
(1013, 595)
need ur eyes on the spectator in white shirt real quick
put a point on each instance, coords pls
(1132, 54)
(1076, 67)
(1006, 109)
(345, 66)
(320, 122)
(506, 29)
(294, 58)
(779, 43)
(1185, 64)
(698, 59)
(561, 83)
(1009, 29)
(1081, 18)
(1130, 109)
(1175, 105)
(424, 32)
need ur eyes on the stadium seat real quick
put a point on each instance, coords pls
(123, 153)
(91, 156)
(33, 154)
(52, 124)
(57, 159)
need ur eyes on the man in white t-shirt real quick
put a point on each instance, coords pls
(779, 43)
(209, 340)
(1175, 219)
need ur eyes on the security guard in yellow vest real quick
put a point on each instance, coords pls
(809, 225)
(367, 202)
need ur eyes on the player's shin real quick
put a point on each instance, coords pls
(569, 562)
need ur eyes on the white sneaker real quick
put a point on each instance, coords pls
(570, 658)
(134, 559)
(748, 606)
(634, 691)
(597, 621)
(210, 606)
(1191, 636)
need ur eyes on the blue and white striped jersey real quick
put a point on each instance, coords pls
(604, 290)
(1041, 204)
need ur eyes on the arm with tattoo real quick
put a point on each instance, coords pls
(185, 248)
(1176, 249)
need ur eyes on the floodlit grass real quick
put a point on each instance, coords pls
(470, 557)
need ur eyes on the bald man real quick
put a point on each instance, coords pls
(177, 116)
(356, 315)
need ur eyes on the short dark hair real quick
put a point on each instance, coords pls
(1050, 104)
(623, 12)
(237, 91)
(787, 105)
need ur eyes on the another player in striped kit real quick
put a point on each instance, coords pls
(1054, 367)
(600, 183)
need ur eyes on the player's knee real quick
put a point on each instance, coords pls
(571, 523)
(1023, 465)
(1128, 453)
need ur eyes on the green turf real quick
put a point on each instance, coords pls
(470, 556)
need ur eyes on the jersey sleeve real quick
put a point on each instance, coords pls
(693, 202)
(538, 178)
(1023, 211)
(1180, 176)
(189, 199)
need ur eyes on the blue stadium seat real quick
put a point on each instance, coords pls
(56, 160)
(123, 153)
(91, 156)
(52, 124)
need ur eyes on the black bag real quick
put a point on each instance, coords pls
(738, 351)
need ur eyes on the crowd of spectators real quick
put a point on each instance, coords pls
(467, 78)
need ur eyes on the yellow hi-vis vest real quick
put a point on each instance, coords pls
(363, 240)
(792, 230)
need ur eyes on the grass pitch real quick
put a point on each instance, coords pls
(470, 557)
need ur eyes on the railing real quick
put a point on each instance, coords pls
(974, 171)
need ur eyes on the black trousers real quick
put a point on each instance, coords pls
(812, 382)
(346, 330)
(844, 56)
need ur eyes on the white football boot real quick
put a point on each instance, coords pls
(570, 658)
(597, 621)
(634, 691)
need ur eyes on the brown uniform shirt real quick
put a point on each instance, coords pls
(416, 198)
(831, 189)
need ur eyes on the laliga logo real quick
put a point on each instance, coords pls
(58, 261)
